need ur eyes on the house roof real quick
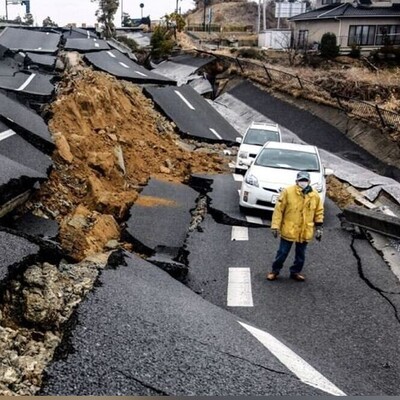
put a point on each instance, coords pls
(347, 10)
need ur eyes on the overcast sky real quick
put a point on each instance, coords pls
(82, 11)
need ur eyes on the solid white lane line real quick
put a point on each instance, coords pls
(124, 65)
(254, 220)
(139, 73)
(239, 288)
(304, 371)
(215, 133)
(238, 177)
(184, 99)
(27, 82)
(6, 134)
(111, 54)
(240, 233)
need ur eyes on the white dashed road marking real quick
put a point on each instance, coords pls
(240, 233)
(254, 220)
(111, 54)
(215, 133)
(304, 371)
(6, 134)
(26, 83)
(139, 73)
(184, 99)
(239, 288)
(124, 65)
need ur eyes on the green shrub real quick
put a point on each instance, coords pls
(129, 42)
(248, 52)
(355, 51)
(328, 47)
(161, 42)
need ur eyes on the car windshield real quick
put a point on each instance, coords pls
(260, 137)
(288, 159)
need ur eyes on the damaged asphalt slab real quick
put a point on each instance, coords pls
(14, 250)
(158, 203)
(183, 345)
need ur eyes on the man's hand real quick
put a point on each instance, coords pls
(275, 233)
(318, 234)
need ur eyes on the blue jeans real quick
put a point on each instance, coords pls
(283, 251)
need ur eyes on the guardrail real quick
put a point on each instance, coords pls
(285, 81)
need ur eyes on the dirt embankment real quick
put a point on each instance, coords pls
(110, 141)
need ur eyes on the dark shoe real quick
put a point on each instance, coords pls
(298, 277)
(272, 276)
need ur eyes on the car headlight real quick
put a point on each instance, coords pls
(319, 187)
(243, 154)
(252, 180)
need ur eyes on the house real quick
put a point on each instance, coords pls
(363, 23)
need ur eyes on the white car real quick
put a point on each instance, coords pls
(275, 168)
(256, 135)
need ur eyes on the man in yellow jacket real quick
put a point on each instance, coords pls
(299, 209)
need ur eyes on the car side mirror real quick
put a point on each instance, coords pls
(328, 171)
(238, 140)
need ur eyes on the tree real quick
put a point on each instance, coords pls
(161, 41)
(28, 19)
(328, 47)
(48, 22)
(105, 15)
(17, 20)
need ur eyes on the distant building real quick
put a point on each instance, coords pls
(366, 24)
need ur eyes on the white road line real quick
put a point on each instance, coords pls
(304, 371)
(254, 220)
(6, 134)
(139, 73)
(240, 233)
(184, 99)
(27, 82)
(238, 177)
(111, 54)
(215, 133)
(239, 288)
(96, 45)
(88, 34)
(124, 65)
(21, 54)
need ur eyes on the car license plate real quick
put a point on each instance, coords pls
(274, 198)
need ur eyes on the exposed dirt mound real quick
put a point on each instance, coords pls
(110, 141)
(227, 14)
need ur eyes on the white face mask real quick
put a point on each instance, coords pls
(303, 184)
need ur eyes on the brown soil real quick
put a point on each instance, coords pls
(110, 141)
(336, 191)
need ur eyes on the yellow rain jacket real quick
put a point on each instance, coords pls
(296, 213)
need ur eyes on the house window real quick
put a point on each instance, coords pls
(302, 39)
(374, 35)
(388, 34)
(362, 35)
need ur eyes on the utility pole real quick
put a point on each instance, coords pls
(204, 15)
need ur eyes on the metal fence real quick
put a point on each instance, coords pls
(285, 81)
